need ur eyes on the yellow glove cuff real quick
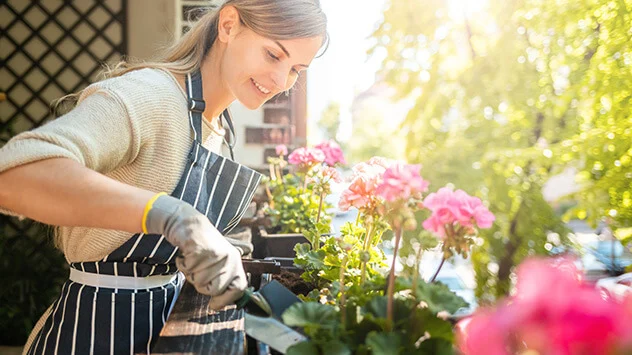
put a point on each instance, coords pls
(148, 207)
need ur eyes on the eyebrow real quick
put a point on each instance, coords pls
(288, 53)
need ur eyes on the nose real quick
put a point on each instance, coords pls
(282, 80)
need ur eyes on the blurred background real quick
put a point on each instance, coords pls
(523, 103)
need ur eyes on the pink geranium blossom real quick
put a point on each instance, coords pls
(329, 173)
(361, 192)
(449, 207)
(401, 182)
(281, 149)
(333, 153)
(553, 312)
(306, 156)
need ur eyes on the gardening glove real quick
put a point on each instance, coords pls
(244, 247)
(206, 258)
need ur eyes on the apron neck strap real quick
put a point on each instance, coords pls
(197, 107)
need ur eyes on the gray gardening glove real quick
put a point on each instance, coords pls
(206, 258)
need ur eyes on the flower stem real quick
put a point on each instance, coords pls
(365, 247)
(277, 168)
(272, 170)
(391, 282)
(438, 269)
(343, 265)
(417, 265)
(320, 206)
(316, 244)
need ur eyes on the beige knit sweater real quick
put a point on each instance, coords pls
(133, 128)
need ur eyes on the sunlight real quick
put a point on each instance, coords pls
(458, 8)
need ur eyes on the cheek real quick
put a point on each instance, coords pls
(291, 81)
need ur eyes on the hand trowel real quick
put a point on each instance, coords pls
(263, 316)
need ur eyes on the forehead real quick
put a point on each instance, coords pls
(298, 48)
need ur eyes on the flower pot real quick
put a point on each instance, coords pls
(280, 245)
(290, 276)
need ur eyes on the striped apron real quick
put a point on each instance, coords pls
(118, 305)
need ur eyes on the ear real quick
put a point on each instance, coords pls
(228, 23)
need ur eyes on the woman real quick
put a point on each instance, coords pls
(101, 171)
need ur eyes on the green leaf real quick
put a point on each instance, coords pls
(310, 314)
(426, 321)
(336, 347)
(303, 348)
(384, 343)
(436, 346)
(377, 308)
(438, 297)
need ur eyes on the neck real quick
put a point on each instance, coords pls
(217, 95)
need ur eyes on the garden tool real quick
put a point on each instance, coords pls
(263, 316)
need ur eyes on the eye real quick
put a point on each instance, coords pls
(271, 55)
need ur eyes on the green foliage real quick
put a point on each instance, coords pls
(508, 96)
(374, 134)
(363, 330)
(293, 204)
(348, 314)
(322, 265)
(33, 271)
(330, 120)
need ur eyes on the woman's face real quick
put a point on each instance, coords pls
(256, 68)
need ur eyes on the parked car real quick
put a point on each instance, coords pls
(616, 288)
(612, 254)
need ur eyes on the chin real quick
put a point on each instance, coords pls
(251, 104)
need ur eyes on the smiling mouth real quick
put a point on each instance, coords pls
(260, 87)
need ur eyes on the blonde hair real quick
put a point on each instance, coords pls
(275, 19)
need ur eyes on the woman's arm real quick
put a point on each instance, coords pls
(62, 192)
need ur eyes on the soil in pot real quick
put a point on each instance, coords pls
(294, 282)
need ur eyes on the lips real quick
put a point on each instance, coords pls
(260, 87)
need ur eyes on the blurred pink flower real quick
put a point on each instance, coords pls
(281, 149)
(401, 182)
(330, 173)
(450, 207)
(306, 156)
(332, 151)
(553, 312)
(359, 194)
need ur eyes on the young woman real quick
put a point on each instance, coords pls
(102, 173)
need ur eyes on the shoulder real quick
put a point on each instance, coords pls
(146, 81)
(143, 90)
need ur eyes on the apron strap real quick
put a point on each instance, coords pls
(196, 104)
(197, 107)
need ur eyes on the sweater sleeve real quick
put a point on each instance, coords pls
(98, 133)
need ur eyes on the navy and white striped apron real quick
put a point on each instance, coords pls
(88, 318)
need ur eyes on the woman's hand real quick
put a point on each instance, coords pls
(206, 258)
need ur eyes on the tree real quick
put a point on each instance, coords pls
(509, 94)
(329, 121)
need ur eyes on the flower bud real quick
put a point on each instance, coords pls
(410, 224)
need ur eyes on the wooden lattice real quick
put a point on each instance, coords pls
(48, 49)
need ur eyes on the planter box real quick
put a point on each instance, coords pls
(279, 245)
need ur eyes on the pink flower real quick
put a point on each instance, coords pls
(306, 156)
(358, 195)
(553, 312)
(333, 153)
(281, 149)
(401, 182)
(330, 173)
(451, 207)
